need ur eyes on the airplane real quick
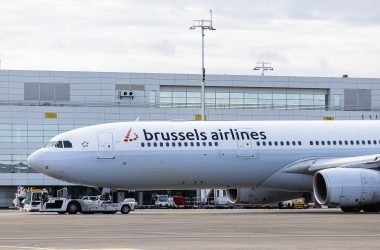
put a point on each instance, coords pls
(255, 161)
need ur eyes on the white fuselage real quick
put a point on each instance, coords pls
(207, 154)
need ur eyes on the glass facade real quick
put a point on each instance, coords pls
(19, 137)
(244, 98)
(181, 97)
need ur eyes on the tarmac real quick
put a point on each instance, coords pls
(192, 229)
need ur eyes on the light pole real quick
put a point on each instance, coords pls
(263, 66)
(204, 25)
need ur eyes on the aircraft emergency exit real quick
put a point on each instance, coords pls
(254, 160)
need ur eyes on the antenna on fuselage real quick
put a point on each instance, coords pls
(137, 119)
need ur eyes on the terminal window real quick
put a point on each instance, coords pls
(46, 91)
(241, 98)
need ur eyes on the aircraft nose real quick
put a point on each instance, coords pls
(36, 160)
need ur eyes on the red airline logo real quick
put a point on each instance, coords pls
(128, 138)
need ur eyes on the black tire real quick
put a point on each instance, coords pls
(61, 212)
(73, 208)
(351, 209)
(125, 209)
(374, 208)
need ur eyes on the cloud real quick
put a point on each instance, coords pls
(165, 47)
(269, 55)
(324, 64)
(297, 36)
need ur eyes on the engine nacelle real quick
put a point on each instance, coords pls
(347, 187)
(259, 196)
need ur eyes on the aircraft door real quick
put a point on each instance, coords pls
(105, 145)
(244, 146)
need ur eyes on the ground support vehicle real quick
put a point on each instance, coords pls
(162, 201)
(298, 203)
(19, 197)
(64, 205)
(74, 206)
(33, 199)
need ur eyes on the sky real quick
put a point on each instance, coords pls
(298, 37)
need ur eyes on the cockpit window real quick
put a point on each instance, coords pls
(59, 144)
(50, 144)
(67, 144)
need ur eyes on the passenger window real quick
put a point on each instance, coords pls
(275, 143)
(311, 143)
(352, 142)
(328, 142)
(192, 144)
(287, 143)
(204, 144)
(363, 142)
(59, 144)
(173, 144)
(323, 142)
(346, 142)
(167, 144)
(269, 143)
(374, 142)
(161, 144)
(369, 142)
(294, 143)
(148, 144)
(155, 144)
(334, 142)
(317, 143)
(264, 143)
(357, 142)
(299, 143)
(281, 143)
(210, 143)
(185, 144)
(142, 144)
(216, 143)
(198, 144)
(179, 144)
(258, 143)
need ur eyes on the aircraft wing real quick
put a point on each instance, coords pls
(311, 165)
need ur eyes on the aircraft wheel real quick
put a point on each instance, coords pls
(125, 209)
(351, 209)
(61, 212)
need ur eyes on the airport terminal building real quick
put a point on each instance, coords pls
(37, 105)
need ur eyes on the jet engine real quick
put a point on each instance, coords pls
(350, 188)
(259, 196)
